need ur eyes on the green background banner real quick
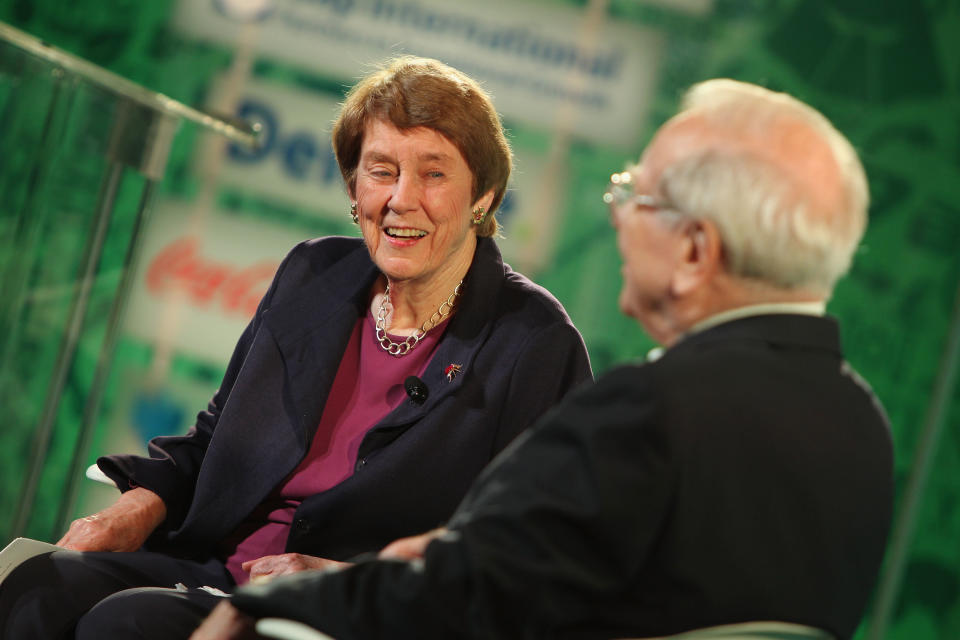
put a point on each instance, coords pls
(886, 73)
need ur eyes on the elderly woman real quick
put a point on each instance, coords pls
(375, 381)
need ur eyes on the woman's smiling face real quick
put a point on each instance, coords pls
(413, 192)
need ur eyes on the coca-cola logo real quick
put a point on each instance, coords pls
(206, 283)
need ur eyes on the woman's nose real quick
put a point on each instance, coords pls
(406, 194)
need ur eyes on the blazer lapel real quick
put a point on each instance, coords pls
(311, 332)
(294, 360)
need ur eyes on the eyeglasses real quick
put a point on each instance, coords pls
(620, 192)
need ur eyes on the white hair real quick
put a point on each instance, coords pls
(772, 229)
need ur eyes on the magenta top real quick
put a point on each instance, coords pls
(368, 386)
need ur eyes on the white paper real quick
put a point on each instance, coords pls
(21, 550)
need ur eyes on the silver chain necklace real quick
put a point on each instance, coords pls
(403, 348)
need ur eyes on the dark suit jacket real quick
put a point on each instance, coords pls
(518, 353)
(746, 475)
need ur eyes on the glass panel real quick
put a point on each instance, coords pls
(80, 151)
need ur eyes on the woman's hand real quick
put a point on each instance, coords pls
(123, 526)
(225, 622)
(269, 567)
(410, 548)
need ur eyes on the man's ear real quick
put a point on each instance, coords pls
(701, 255)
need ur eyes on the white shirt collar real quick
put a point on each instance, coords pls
(818, 308)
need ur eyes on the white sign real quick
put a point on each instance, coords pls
(294, 162)
(541, 63)
(199, 283)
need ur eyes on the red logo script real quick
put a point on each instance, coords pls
(180, 267)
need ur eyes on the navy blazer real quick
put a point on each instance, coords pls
(518, 353)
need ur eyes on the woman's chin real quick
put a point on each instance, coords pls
(398, 269)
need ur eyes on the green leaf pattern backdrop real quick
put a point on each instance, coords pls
(886, 72)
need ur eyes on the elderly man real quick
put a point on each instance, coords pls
(744, 475)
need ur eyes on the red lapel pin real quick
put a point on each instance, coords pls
(452, 370)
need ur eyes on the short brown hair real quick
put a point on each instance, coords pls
(421, 92)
